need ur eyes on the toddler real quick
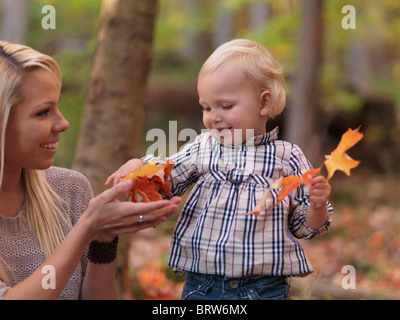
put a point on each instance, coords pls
(224, 253)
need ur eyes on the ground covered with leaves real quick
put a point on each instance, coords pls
(363, 235)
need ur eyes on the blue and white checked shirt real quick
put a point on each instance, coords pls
(213, 235)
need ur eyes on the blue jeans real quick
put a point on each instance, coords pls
(211, 287)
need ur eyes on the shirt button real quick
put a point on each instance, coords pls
(233, 284)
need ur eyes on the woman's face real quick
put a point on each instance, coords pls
(34, 126)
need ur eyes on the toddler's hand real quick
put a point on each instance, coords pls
(128, 167)
(319, 192)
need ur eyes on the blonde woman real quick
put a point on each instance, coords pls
(48, 218)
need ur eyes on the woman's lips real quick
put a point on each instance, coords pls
(52, 145)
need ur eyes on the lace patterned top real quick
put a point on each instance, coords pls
(20, 248)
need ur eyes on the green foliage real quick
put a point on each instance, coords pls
(72, 44)
(191, 24)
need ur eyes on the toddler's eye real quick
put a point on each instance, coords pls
(205, 109)
(227, 107)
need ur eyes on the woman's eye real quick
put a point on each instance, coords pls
(43, 113)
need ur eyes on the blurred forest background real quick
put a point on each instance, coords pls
(131, 66)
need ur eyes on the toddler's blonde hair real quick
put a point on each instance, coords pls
(257, 63)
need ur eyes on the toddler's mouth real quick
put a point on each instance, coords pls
(223, 131)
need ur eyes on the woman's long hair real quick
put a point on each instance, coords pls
(45, 209)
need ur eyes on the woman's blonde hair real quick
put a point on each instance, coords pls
(45, 209)
(257, 63)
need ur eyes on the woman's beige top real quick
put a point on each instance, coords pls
(20, 249)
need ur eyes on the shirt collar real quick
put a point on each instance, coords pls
(264, 138)
(256, 140)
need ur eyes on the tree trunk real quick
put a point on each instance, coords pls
(301, 117)
(258, 15)
(223, 26)
(14, 20)
(116, 97)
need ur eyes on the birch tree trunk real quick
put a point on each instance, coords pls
(115, 102)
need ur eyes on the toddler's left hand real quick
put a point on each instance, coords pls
(319, 192)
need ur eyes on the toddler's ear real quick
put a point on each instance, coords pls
(265, 103)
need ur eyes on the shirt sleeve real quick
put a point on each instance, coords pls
(185, 172)
(300, 201)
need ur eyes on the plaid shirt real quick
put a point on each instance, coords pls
(213, 235)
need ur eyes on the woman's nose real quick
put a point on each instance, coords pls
(61, 124)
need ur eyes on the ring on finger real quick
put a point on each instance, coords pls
(141, 220)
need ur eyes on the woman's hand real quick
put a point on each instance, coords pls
(108, 217)
(130, 166)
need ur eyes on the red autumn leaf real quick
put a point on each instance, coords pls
(338, 159)
(150, 182)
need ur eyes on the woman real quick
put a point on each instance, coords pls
(47, 215)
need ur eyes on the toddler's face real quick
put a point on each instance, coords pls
(233, 109)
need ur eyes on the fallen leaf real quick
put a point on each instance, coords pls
(150, 182)
(338, 159)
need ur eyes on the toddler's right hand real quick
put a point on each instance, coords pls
(128, 167)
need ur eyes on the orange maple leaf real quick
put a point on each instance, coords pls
(261, 204)
(309, 175)
(289, 184)
(338, 159)
(150, 181)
